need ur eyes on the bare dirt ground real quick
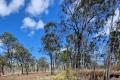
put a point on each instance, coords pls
(35, 76)
(31, 76)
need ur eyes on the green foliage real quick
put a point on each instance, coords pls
(8, 39)
(63, 56)
(50, 42)
(2, 60)
(114, 44)
(42, 63)
(14, 52)
(48, 26)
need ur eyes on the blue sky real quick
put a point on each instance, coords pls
(25, 19)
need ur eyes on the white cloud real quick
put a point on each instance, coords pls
(37, 7)
(12, 7)
(108, 25)
(31, 33)
(40, 25)
(29, 23)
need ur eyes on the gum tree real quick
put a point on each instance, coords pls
(51, 43)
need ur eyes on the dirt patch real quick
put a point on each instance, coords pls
(31, 76)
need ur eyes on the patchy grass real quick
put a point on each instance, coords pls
(63, 75)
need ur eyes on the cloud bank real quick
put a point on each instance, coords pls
(13, 6)
(34, 8)
(37, 7)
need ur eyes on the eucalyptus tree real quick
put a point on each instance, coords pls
(3, 63)
(78, 16)
(9, 42)
(51, 43)
(24, 57)
(14, 52)
(33, 64)
(114, 44)
(43, 64)
(20, 52)
(27, 60)
(85, 17)
(113, 38)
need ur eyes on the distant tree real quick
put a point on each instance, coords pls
(15, 54)
(33, 64)
(24, 57)
(43, 64)
(27, 60)
(9, 42)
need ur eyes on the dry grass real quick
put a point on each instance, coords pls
(46, 76)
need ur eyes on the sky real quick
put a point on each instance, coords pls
(25, 19)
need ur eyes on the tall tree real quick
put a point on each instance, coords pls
(24, 57)
(85, 17)
(9, 42)
(51, 43)
(114, 43)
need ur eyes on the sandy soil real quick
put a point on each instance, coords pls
(31, 76)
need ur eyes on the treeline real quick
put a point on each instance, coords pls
(15, 57)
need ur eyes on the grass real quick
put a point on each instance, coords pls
(63, 75)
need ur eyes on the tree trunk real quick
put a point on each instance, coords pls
(37, 68)
(22, 69)
(107, 66)
(79, 54)
(107, 70)
(94, 73)
(26, 69)
(2, 70)
(52, 65)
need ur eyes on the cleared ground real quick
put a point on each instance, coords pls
(36, 76)
(31, 76)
